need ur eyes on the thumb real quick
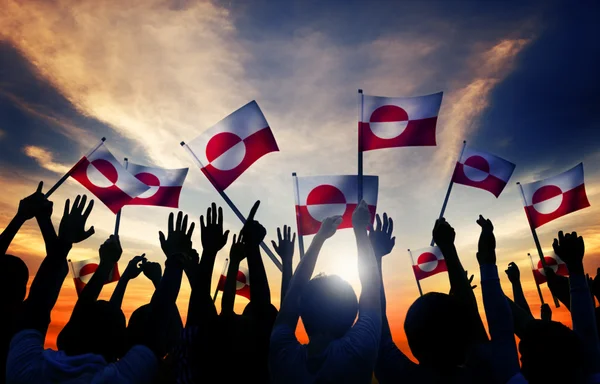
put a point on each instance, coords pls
(226, 235)
(275, 246)
(87, 234)
(161, 237)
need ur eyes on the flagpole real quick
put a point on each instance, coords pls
(412, 262)
(73, 271)
(235, 210)
(223, 273)
(66, 175)
(536, 283)
(297, 199)
(537, 242)
(118, 218)
(361, 101)
(449, 190)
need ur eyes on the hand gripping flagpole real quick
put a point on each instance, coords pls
(235, 210)
(223, 273)
(537, 242)
(412, 262)
(297, 198)
(361, 99)
(536, 283)
(449, 189)
(66, 176)
(118, 218)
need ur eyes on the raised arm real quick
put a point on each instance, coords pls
(514, 275)
(213, 240)
(368, 270)
(133, 270)
(559, 286)
(153, 271)
(285, 249)
(236, 255)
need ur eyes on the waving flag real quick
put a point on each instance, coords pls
(483, 170)
(389, 122)
(232, 145)
(554, 262)
(242, 284)
(555, 196)
(84, 269)
(107, 179)
(427, 262)
(164, 185)
(320, 197)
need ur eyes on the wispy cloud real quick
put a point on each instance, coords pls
(45, 159)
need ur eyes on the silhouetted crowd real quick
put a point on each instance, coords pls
(349, 338)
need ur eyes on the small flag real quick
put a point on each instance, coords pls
(84, 269)
(556, 196)
(242, 284)
(389, 122)
(232, 145)
(164, 185)
(554, 262)
(483, 170)
(427, 262)
(107, 179)
(320, 197)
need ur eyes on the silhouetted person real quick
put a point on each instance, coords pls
(285, 249)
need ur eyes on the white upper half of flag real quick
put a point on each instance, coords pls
(244, 270)
(417, 108)
(244, 122)
(77, 265)
(106, 171)
(415, 253)
(498, 167)
(164, 177)
(346, 184)
(565, 181)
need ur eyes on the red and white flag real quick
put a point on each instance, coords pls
(427, 262)
(320, 197)
(483, 170)
(164, 185)
(107, 179)
(84, 269)
(232, 145)
(555, 196)
(389, 122)
(242, 284)
(554, 262)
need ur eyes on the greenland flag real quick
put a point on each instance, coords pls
(427, 262)
(320, 197)
(84, 269)
(556, 196)
(554, 262)
(164, 185)
(232, 145)
(242, 284)
(107, 179)
(483, 170)
(389, 122)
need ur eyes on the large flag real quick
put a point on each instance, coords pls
(389, 122)
(427, 262)
(556, 196)
(483, 170)
(242, 283)
(107, 179)
(232, 145)
(554, 262)
(320, 197)
(84, 269)
(164, 185)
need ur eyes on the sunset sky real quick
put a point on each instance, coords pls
(520, 80)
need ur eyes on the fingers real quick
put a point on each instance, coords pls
(67, 207)
(385, 222)
(76, 202)
(226, 235)
(393, 241)
(89, 233)
(170, 227)
(390, 226)
(215, 217)
(220, 217)
(39, 187)
(279, 238)
(337, 220)
(161, 237)
(209, 216)
(82, 203)
(88, 210)
(274, 244)
(191, 230)
(555, 246)
(179, 221)
(561, 237)
(253, 211)
(202, 225)
(378, 221)
(184, 223)
(234, 237)
(294, 239)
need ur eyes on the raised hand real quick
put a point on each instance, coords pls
(134, 267)
(253, 232)
(546, 312)
(381, 236)
(237, 253)
(513, 273)
(72, 226)
(329, 226)
(361, 217)
(570, 248)
(285, 244)
(153, 271)
(487, 242)
(211, 233)
(471, 280)
(110, 251)
(35, 205)
(179, 238)
(443, 233)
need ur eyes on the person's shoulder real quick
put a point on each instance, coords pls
(27, 336)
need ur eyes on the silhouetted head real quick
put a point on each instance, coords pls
(438, 330)
(97, 328)
(14, 275)
(545, 341)
(328, 306)
(140, 328)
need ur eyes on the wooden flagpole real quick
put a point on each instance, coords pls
(361, 99)
(118, 218)
(297, 199)
(223, 273)
(235, 210)
(412, 263)
(536, 283)
(449, 190)
(66, 175)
